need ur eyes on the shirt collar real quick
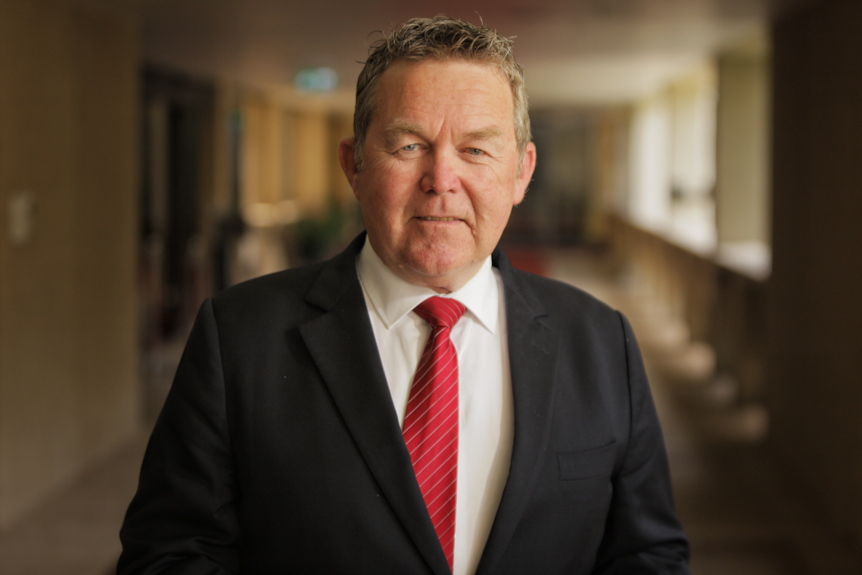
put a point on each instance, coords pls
(393, 297)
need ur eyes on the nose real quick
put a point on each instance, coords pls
(440, 174)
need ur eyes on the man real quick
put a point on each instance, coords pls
(308, 403)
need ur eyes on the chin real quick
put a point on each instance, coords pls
(439, 268)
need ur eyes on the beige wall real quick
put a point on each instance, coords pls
(68, 321)
(340, 126)
(291, 154)
(742, 187)
(313, 161)
(815, 357)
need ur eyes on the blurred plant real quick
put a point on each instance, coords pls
(317, 238)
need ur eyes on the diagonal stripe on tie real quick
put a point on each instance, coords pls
(431, 421)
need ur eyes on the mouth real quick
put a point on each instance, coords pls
(433, 219)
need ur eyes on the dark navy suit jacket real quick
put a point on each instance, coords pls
(279, 451)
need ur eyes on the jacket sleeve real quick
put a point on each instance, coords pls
(183, 518)
(642, 533)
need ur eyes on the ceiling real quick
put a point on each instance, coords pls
(573, 51)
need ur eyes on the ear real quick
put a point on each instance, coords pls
(347, 157)
(528, 165)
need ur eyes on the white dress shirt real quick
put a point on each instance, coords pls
(485, 416)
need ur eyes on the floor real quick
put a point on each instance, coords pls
(742, 515)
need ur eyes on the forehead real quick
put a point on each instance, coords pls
(444, 88)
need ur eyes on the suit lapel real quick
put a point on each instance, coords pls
(341, 342)
(533, 350)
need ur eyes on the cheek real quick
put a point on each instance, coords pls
(382, 203)
(495, 202)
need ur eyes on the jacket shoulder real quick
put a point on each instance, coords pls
(560, 299)
(295, 280)
(279, 297)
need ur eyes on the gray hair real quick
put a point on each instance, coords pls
(441, 38)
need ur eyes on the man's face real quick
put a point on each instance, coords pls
(441, 171)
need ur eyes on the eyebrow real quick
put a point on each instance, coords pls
(488, 133)
(400, 127)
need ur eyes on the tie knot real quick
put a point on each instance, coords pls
(440, 311)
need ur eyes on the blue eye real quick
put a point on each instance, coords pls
(410, 147)
(475, 151)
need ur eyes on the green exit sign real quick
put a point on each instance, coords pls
(316, 80)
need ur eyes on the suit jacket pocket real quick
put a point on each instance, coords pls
(587, 464)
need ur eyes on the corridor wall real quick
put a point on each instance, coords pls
(815, 347)
(68, 305)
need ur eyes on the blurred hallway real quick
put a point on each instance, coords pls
(740, 511)
(698, 169)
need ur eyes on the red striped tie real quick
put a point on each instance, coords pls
(431, 422)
